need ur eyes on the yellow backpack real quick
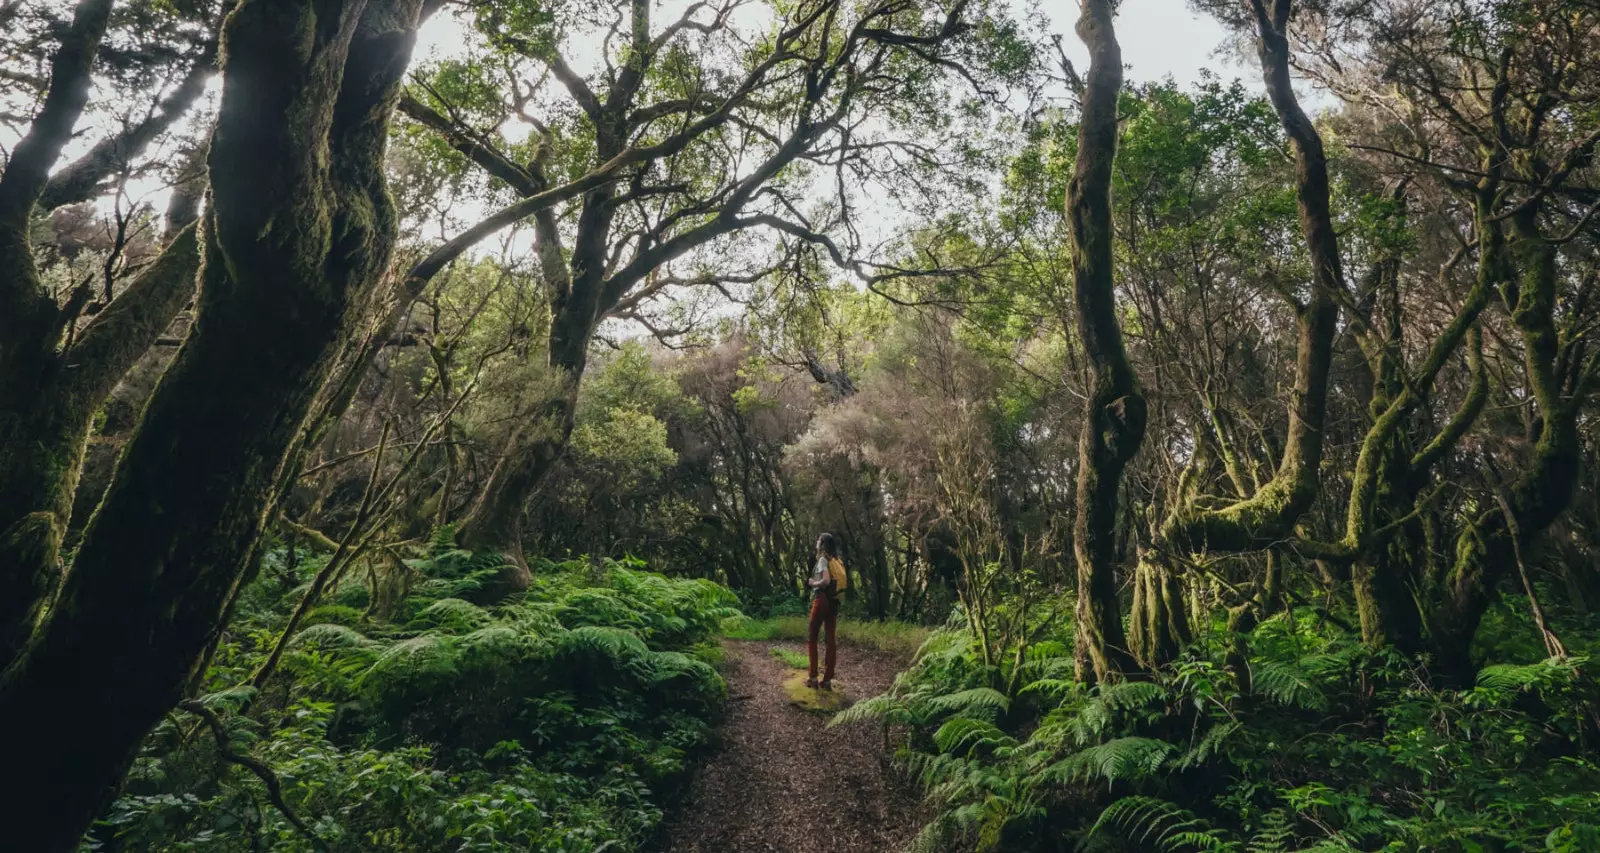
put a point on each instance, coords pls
(840, 576)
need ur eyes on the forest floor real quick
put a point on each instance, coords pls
(780, 782)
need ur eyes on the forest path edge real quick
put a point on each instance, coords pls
(780, 781)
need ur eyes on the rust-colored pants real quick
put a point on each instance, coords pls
(824, 611)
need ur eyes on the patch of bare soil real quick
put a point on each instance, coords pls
(779, 782)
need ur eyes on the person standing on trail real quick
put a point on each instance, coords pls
(828, 581)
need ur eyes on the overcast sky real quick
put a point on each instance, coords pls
(1160, 39)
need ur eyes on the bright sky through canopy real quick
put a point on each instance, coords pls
(1160, 38)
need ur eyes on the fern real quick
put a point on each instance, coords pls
(453, 614)
(885, 708)
(1515, 678)
(1207, 746)
(1053, 689)
(429, 655)
(1129, 695)
(618, 645)
(330, 636)
(231, 700)
(1276, 834)
(1157, 824)
(1287, 684)
(967, 735)
(977, 700)
(1119, 760)
(443, 539)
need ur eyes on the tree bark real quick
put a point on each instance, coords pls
(43, 433)
(1270, 514)
(299, 228)
(1114, 415)
(48, 396)
(1487, 548)
(1159, 627)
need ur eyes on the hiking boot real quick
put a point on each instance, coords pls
(812, 683)
(828, 685)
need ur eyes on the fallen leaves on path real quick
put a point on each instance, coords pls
(782, 783)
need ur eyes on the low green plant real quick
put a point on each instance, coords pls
(555, 722)
(1334, 747)
(898, 639)
(746, 628)
(791, 658)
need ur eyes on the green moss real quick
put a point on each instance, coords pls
(814, 700)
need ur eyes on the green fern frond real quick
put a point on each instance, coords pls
(1207, 746)
(1053, 689)
(453, 614)
(1517, 678)
(1287, 684)
(1276, 834)
(876, 708)
(977, 700)
(425, 655)
(1132, 695)
(496, 642)
(967, 735)
(230, 700)
(1116, 760)
(670, 665)
(621, 647)
(330, 636)
(443, 539)
(1157, 824)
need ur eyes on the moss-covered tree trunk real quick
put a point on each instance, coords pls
(495, 520)
(53, 375)
(1159, 626)
(299, 229)
(1486, 549)
(43, 431)
(1114, 415)
(1269, 515)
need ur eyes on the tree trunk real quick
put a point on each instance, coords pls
(48, 396)
(495, 520)
(43, 433)
(1114, 415)
(1270, 514)
(1485, 549)
(1159, 628)
(300, 227)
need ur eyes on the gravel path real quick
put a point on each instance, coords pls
(781, 783)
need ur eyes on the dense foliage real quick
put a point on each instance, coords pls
(1293, 737)
(560, 721)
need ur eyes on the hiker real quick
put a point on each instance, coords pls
(828, 581)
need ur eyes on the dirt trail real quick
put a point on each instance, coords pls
(781, 783)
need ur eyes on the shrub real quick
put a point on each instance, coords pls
(1336, 747)
(550, 723)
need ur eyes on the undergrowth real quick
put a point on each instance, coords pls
(549, 723)
(1334, 747)
(791, 659)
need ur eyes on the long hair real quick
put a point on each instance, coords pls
(830, 545)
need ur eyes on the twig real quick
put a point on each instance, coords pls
(259, 768)
(1552, 644)
(341, 555)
